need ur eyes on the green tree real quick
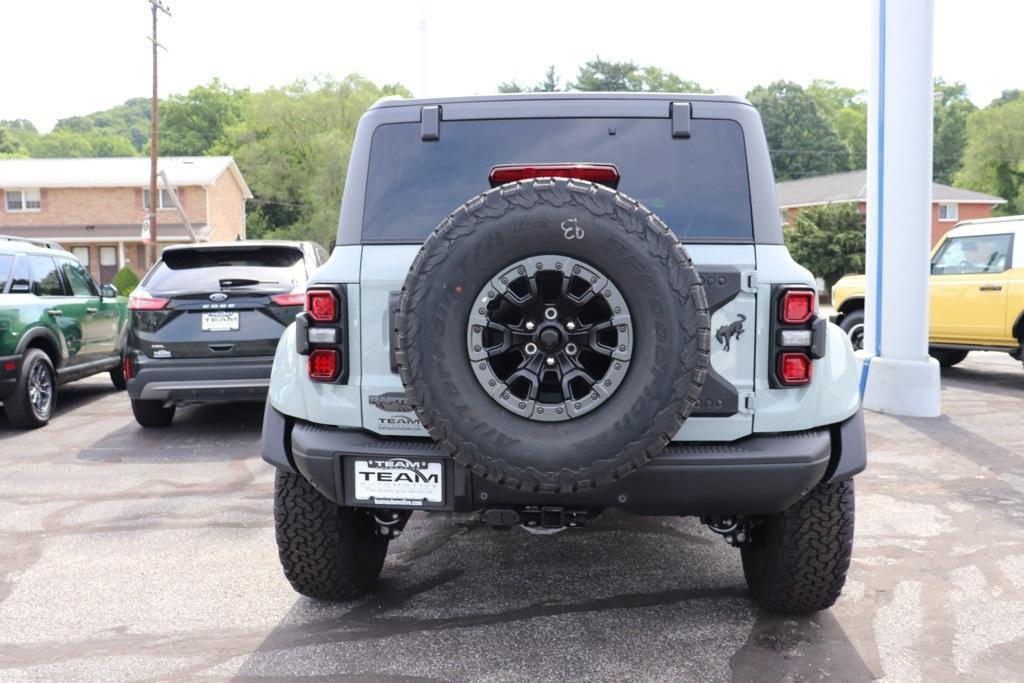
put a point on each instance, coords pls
(125, 280)
(71, 143)
(601, 75)
(129, 120)
(192, 124)
(952, 109)
(993, 160)
(846, 109)
(292, 144)
(802, 141)
(828, 240)
(1007, 96)
(9, 147)
(549, 84)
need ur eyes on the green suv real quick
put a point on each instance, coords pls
(56, 326)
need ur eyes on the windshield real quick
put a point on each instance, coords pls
(211, 269)
(697, 185)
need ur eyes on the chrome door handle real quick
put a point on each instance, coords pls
(991, 288)
(55, 312)
(91, 311)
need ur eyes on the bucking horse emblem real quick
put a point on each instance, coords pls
(727, 332)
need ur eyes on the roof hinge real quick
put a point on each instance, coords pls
(430, 122)
(680, 119)
(748, 281)
(747, 402)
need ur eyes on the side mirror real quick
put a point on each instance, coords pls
(108, 292)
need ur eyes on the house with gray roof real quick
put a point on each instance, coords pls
(949, 204)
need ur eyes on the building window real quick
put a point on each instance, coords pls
(949, 213)
(163, 202)
(82, 254)
(23, 200)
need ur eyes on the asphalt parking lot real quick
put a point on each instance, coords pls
(149, 555)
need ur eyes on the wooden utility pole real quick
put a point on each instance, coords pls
(154, 144)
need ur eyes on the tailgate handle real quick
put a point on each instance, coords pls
(221, 347)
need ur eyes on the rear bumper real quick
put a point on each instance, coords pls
(761, 474)
(9, 377)
(200, 380)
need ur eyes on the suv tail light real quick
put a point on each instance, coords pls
(795, 368)
(606, 174)
(141, 301)
(798, 336)
(797, 306)
(321, 333)
(322, 305)
(289, 299)
(324, 364)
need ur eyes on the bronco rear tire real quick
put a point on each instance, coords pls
(796, 561)
(327, 552)
(598, 316)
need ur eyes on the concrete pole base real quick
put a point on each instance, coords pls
(902, 387)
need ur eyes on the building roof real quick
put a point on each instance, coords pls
(115, 172)
(852, 187)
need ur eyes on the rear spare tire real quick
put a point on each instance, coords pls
(552, 335)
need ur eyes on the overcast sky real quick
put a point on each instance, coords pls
(66, 57)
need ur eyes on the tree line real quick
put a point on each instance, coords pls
(292, 143)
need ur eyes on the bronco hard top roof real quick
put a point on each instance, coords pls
(397, 101)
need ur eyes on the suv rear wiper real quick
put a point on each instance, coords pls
(245, 282)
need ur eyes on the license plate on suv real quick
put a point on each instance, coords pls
(220, 321)
(398, 481)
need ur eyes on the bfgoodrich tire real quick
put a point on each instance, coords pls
(545, 228)
(327, 552)
(796, 561)
(947, 357)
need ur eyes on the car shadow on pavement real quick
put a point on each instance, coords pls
(201, 433)
(990, 379)
(69, 397)
(624, 598)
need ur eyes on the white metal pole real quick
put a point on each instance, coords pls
(898, 376)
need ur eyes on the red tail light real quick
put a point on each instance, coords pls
(324, 364)
(795, 368)
(322, 305)
(140, 301)
(289, 299)
(797, 306)
(126, 366)
(606, 174)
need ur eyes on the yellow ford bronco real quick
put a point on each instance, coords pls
(977, 292)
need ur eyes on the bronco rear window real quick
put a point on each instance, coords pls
(190, 270)
(697, 185)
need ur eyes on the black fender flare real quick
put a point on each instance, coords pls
(39, 332)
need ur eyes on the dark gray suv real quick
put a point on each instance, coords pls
(204, 322)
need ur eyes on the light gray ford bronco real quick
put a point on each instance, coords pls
(543, 306)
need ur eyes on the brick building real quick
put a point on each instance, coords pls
(949, 204)
(96, 207)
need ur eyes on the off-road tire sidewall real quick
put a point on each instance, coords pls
(327, 552)
(629, 245)
(797, 560)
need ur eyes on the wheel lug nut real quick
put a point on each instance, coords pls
(530, 326)
(550, 360)
(530, 348)
(550, 313)
(570, 326)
